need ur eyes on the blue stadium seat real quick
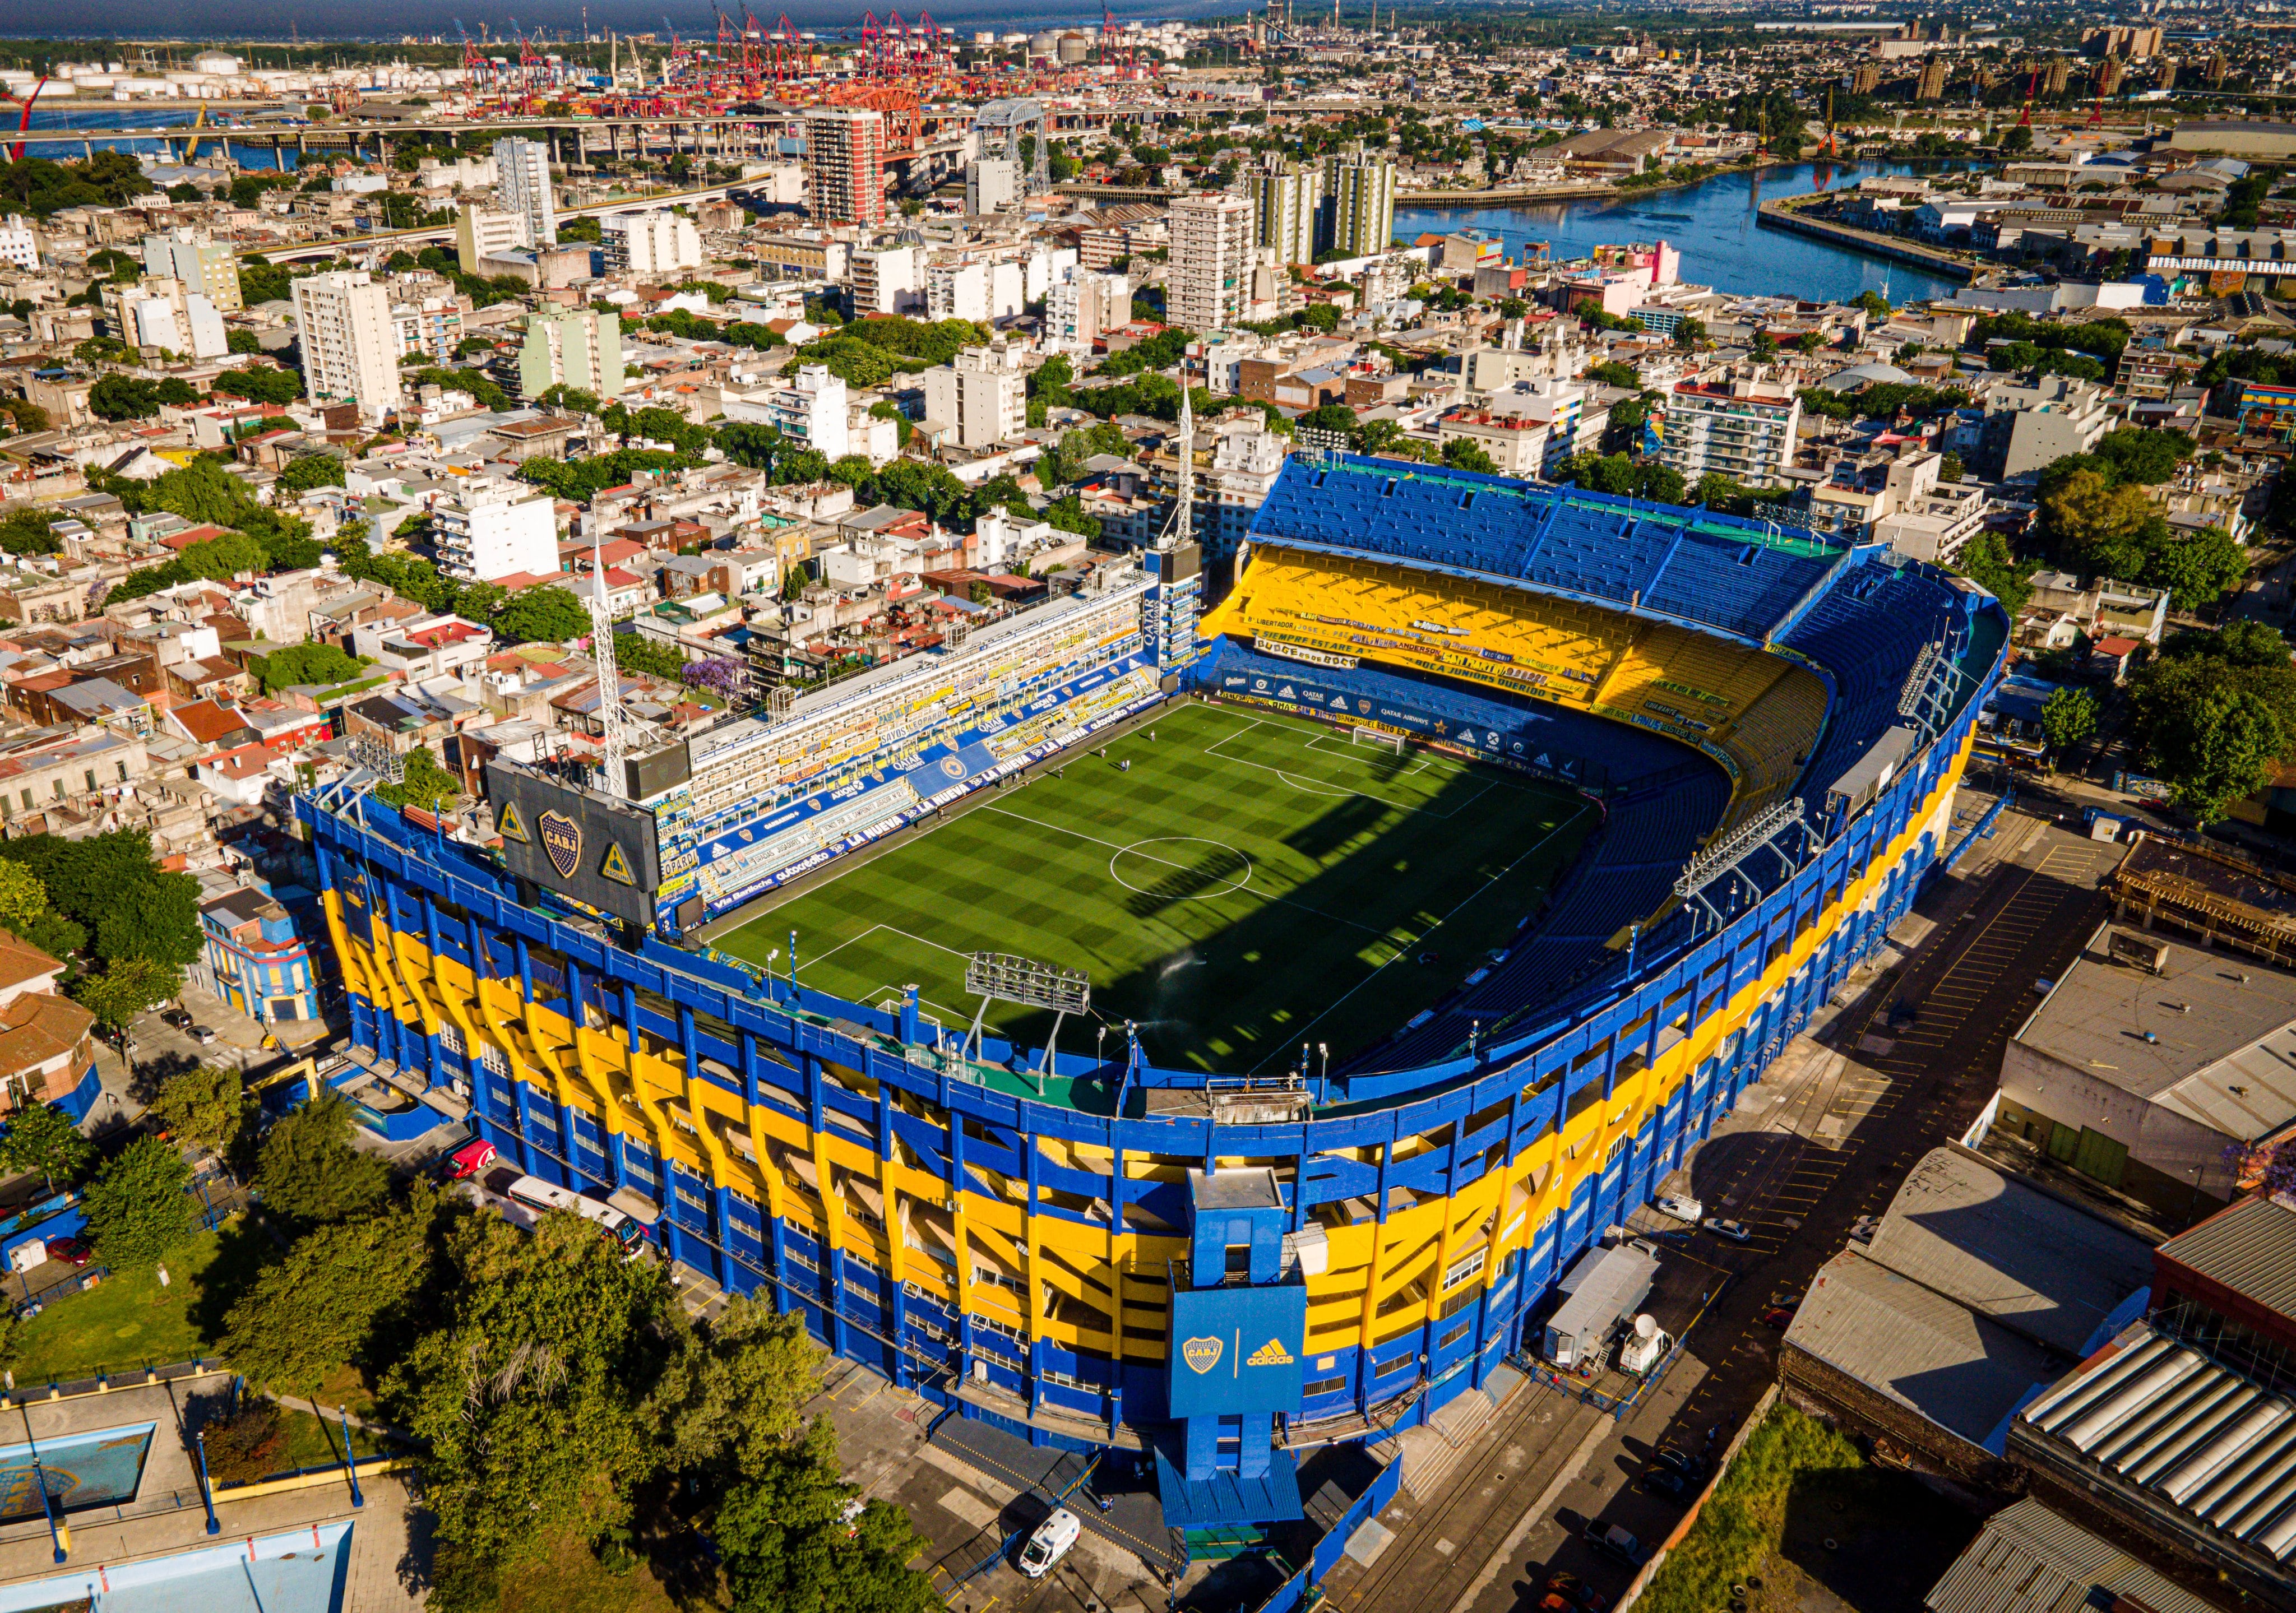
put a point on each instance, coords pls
(1694, 566)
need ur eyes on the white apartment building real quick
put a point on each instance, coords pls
(980, 398)
(1743, 428)
(659, 242)
(1245, 464)
(1043, 267)
(1083, 305)
(20, 243)
(956, 290)
(886, 280)
(207, 267)
(845, 164)
(991, 183)
(159, 311)
(813, 410)
(523, 187)
(349, 342)
(492, 530)
(1288, 199)
(482, 231)
(1211, 262)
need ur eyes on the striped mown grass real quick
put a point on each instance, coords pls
(1251, 882)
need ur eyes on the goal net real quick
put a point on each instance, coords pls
(1373, 736)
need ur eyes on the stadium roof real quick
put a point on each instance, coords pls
(1738, 577)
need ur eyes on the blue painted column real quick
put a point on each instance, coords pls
(831, 1279)
(610, 1138)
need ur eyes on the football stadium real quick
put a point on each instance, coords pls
(1208, 1037)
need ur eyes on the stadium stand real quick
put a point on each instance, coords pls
(1716, 572)
(1023, 1261)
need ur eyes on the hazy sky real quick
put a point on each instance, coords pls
(334, 19)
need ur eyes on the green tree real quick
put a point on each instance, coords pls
(136, 1207)
(2068, 717)
(2216, 750)
(321, 664)
(22, 897)
(43, 1139)
(155, 919)
(546, 615)
(28, 532)
(263, 386)
(207, 1104)
(125, 989)
(2198, 568)
(310, 1171)
(312, 470)
(735, 1393)
(1463, 454)
(532, 1390)
(2099, 528)
(241, 343)
(425, 784)
(786, 1546)
(345, 1292)
(123, 398)
(2141, 454)
(1986, 559)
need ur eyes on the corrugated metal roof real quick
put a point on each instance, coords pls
(2042, 1267)
(2250, 1248)
(2202, 1440)
(2029, 1560)
(1614, 1286)
(1935, 1358)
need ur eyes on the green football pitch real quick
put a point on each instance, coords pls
(1249, 883)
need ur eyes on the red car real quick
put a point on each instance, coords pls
(69, 1251)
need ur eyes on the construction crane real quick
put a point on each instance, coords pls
(24, 119)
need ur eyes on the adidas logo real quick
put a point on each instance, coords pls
(1270, 1353)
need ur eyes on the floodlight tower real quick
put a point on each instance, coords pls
(610, 676)
(1184, 510)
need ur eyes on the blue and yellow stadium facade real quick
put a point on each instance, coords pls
(938, 1219)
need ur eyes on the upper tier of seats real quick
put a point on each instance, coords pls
(1695, 566)
(1762, 712)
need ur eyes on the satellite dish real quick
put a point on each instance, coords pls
(1645, 1326)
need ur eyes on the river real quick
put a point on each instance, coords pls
(1712, 224)
(53, 121)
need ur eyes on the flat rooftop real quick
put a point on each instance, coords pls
(2211, 1037)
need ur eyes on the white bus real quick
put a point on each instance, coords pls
(524, 1199)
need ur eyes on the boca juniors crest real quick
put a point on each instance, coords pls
(561, 842)
(1201, 1354)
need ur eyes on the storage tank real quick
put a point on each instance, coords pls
(1074, 49)
(1047, 44)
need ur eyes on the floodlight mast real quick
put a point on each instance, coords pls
(615, 742)
(995, 976)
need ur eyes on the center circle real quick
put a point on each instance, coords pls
(1181, 868)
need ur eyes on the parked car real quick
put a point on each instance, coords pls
(1779, 1316)
(1863, 1231)
(179, 1017)
(69, 1251)
(1681, 1208)
(1664, 1481)
(1615, 1542)
(1737, 1232)
(1681, 1462)
(1050, 1543)
(201, 1034)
